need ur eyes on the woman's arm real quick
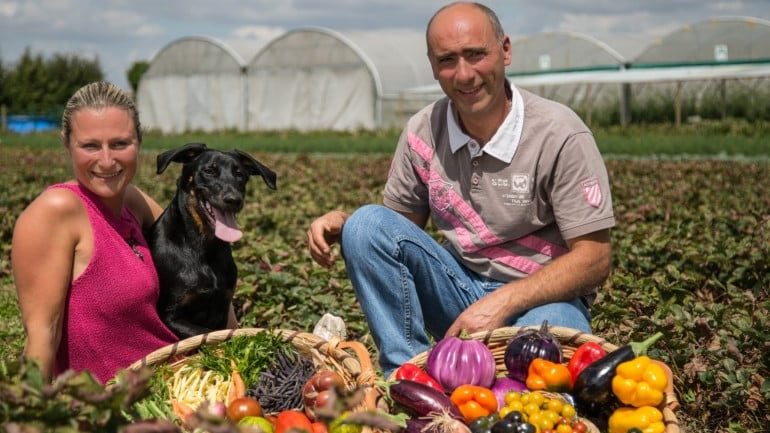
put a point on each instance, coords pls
(44, 257)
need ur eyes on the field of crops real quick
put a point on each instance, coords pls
(691, 259)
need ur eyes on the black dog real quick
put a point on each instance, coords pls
(190, 242)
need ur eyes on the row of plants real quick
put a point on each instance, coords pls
(733, 138)
(691, 260)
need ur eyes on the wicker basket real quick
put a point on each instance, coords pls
(349, 359)
(570, 339)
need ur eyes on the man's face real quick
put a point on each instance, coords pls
(468, 60)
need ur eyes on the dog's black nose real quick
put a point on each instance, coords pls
(232, 199)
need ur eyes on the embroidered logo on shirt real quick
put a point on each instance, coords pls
(517, 189)
(439, 194)
(592, 193)
(520, 182)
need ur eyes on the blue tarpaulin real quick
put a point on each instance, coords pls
(28, 124)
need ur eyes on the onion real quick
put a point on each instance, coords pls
(527, 345)
(444, 423)
(504, 385)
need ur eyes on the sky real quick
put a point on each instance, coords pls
(121, 32)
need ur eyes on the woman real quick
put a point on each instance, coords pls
(85, 278)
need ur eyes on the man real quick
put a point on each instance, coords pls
(515, 185)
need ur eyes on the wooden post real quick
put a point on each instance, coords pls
(3, 118)
(678, 104)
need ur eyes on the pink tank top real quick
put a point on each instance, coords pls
(111, 318)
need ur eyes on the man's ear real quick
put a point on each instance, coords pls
(507, 51)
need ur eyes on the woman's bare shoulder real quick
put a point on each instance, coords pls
(55, 203)
(53, 212)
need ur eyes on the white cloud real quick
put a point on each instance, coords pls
(148, 30)
(258, 32)
(727, 7)
(8, 9)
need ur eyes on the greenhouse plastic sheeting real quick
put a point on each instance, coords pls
(319, 79)
(194, 84)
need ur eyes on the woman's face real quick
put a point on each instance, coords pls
(104, 149)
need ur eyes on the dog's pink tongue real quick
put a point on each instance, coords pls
(225, 226)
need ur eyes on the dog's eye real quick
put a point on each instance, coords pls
(212, 170)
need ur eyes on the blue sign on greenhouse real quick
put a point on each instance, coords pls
(28, 124)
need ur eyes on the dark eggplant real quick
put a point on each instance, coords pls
(593, 386)
(527, 345)
(421, 400)
(415, 425)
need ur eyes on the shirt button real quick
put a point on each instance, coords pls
(475, 162)
(475, 181)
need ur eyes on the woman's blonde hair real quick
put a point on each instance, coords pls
(100, 94)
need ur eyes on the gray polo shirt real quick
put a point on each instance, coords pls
(506, 208)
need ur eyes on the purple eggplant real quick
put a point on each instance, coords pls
(421, 400)
(527, 345)
(416, 425)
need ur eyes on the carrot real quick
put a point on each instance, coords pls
(181, 410)
(237, 387)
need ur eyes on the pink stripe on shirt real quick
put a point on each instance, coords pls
(468, 214)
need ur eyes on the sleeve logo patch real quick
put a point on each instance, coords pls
(592, 192)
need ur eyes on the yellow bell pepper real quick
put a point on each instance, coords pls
(647, 419)
(640, 382)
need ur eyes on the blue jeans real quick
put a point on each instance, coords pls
(409, 286)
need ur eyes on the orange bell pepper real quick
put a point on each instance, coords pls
(547, 375)
(474, 401)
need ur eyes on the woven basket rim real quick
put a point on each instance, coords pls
(334, 353)
(569, 339)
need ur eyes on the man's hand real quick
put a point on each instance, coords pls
(486, 314)
(574, 274)
(323, 233)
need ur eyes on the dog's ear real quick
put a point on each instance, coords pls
(256, 167)
(183, 154)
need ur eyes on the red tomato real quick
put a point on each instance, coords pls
(289, 419)
(243, 407)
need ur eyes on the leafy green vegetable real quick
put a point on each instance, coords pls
(251, 354)
(155, 404)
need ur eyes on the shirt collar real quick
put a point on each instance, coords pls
(505, 140)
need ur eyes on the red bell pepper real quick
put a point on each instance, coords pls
(585, 354)
(413, 372)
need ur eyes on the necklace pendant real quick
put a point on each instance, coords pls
(132, 244)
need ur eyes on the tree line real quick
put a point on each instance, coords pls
(41, 86)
